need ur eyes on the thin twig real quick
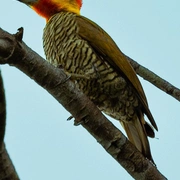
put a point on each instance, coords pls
(155, 79)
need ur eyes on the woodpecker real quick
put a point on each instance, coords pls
(97, 66)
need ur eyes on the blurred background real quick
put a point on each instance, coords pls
(42, 144)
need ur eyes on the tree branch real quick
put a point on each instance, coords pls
(7, 170)
(55, 81)
(155, 79)
(2, 111)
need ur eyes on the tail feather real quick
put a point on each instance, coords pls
(136, 132)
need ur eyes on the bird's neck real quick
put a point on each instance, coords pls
(47, 8)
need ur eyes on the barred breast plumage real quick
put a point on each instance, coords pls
(92, 74)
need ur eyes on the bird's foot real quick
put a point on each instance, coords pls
(78, 121)
(70, 118)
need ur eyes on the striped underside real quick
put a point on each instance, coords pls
(92, 74)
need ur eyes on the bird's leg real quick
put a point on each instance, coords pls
(77, 121)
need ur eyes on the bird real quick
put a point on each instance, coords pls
(97, 66)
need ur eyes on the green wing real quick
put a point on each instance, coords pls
(103, 44)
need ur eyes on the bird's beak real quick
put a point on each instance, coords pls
(28, 2)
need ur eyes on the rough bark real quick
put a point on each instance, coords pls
(14, 52)
(2, 112)
(7, 170)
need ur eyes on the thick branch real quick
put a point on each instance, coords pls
(2, 112)
(7, 170)
(82, 109)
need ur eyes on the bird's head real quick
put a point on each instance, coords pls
(47, 8)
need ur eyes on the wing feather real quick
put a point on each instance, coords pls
(106, 47)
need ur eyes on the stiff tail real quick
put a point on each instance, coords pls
(137, 131)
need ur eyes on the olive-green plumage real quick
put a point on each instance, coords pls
(101, 71)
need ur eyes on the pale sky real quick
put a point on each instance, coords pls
(42, 144)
